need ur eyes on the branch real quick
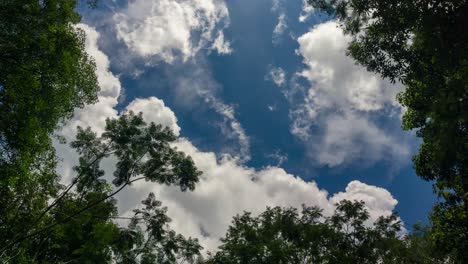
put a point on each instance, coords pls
(68, 218)
(70, 186)
(89, 206)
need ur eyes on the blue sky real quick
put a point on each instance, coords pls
(262, 95)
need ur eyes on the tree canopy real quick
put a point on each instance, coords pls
(422, 44)
(45, 74)
(283, 235)
(143, 152)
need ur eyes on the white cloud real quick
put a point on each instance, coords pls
(339, 101)
(235, 129)
(281, 25)
(168, 28)
(306, 12)
(378, 200)
(349, 136)
(226, 187)
(279, 29)
(154, 110)
(171, 30)
(220, 45)
(338, 80)
(277, 75)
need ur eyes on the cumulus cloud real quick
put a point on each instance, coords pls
(339, 101)
(350, 135)
(378, 200)
(226, 187)
(173, 29)
(154, 110)
(338, 80)
(169, 28)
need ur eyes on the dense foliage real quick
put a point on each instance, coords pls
(44, 74)
(283, 235)
(424, 45)
(143, 152)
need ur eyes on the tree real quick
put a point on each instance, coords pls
(424, 45)
(45, 74)
(143, 152)
(283, 235)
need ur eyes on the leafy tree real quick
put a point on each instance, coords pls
(44, 75)
(424, 45)
(283, 235)
(143, 152)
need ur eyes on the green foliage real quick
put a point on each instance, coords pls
(143, 152)
(44, 74)
(153, 241)
(283, 235)
(424, 45)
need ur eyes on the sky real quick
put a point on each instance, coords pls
(264, 100)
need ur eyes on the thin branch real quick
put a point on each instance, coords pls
(89, 206)
(70, 186)
(70, 217)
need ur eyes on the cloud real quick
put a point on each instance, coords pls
(306, 12)
(91, 115)
(352, 136)
(281, 25)
(277, 5)
(378, 200)
(195, 89)
(154, 110)
(220, 45)
(279, 29)
(234, 130)
(277, 75)
(175, 31)
(171, 28)
(226, 187)
(341, 102)
(338, 80)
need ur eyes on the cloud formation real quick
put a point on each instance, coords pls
(171, 28)
(226, 187)
(339, 101)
